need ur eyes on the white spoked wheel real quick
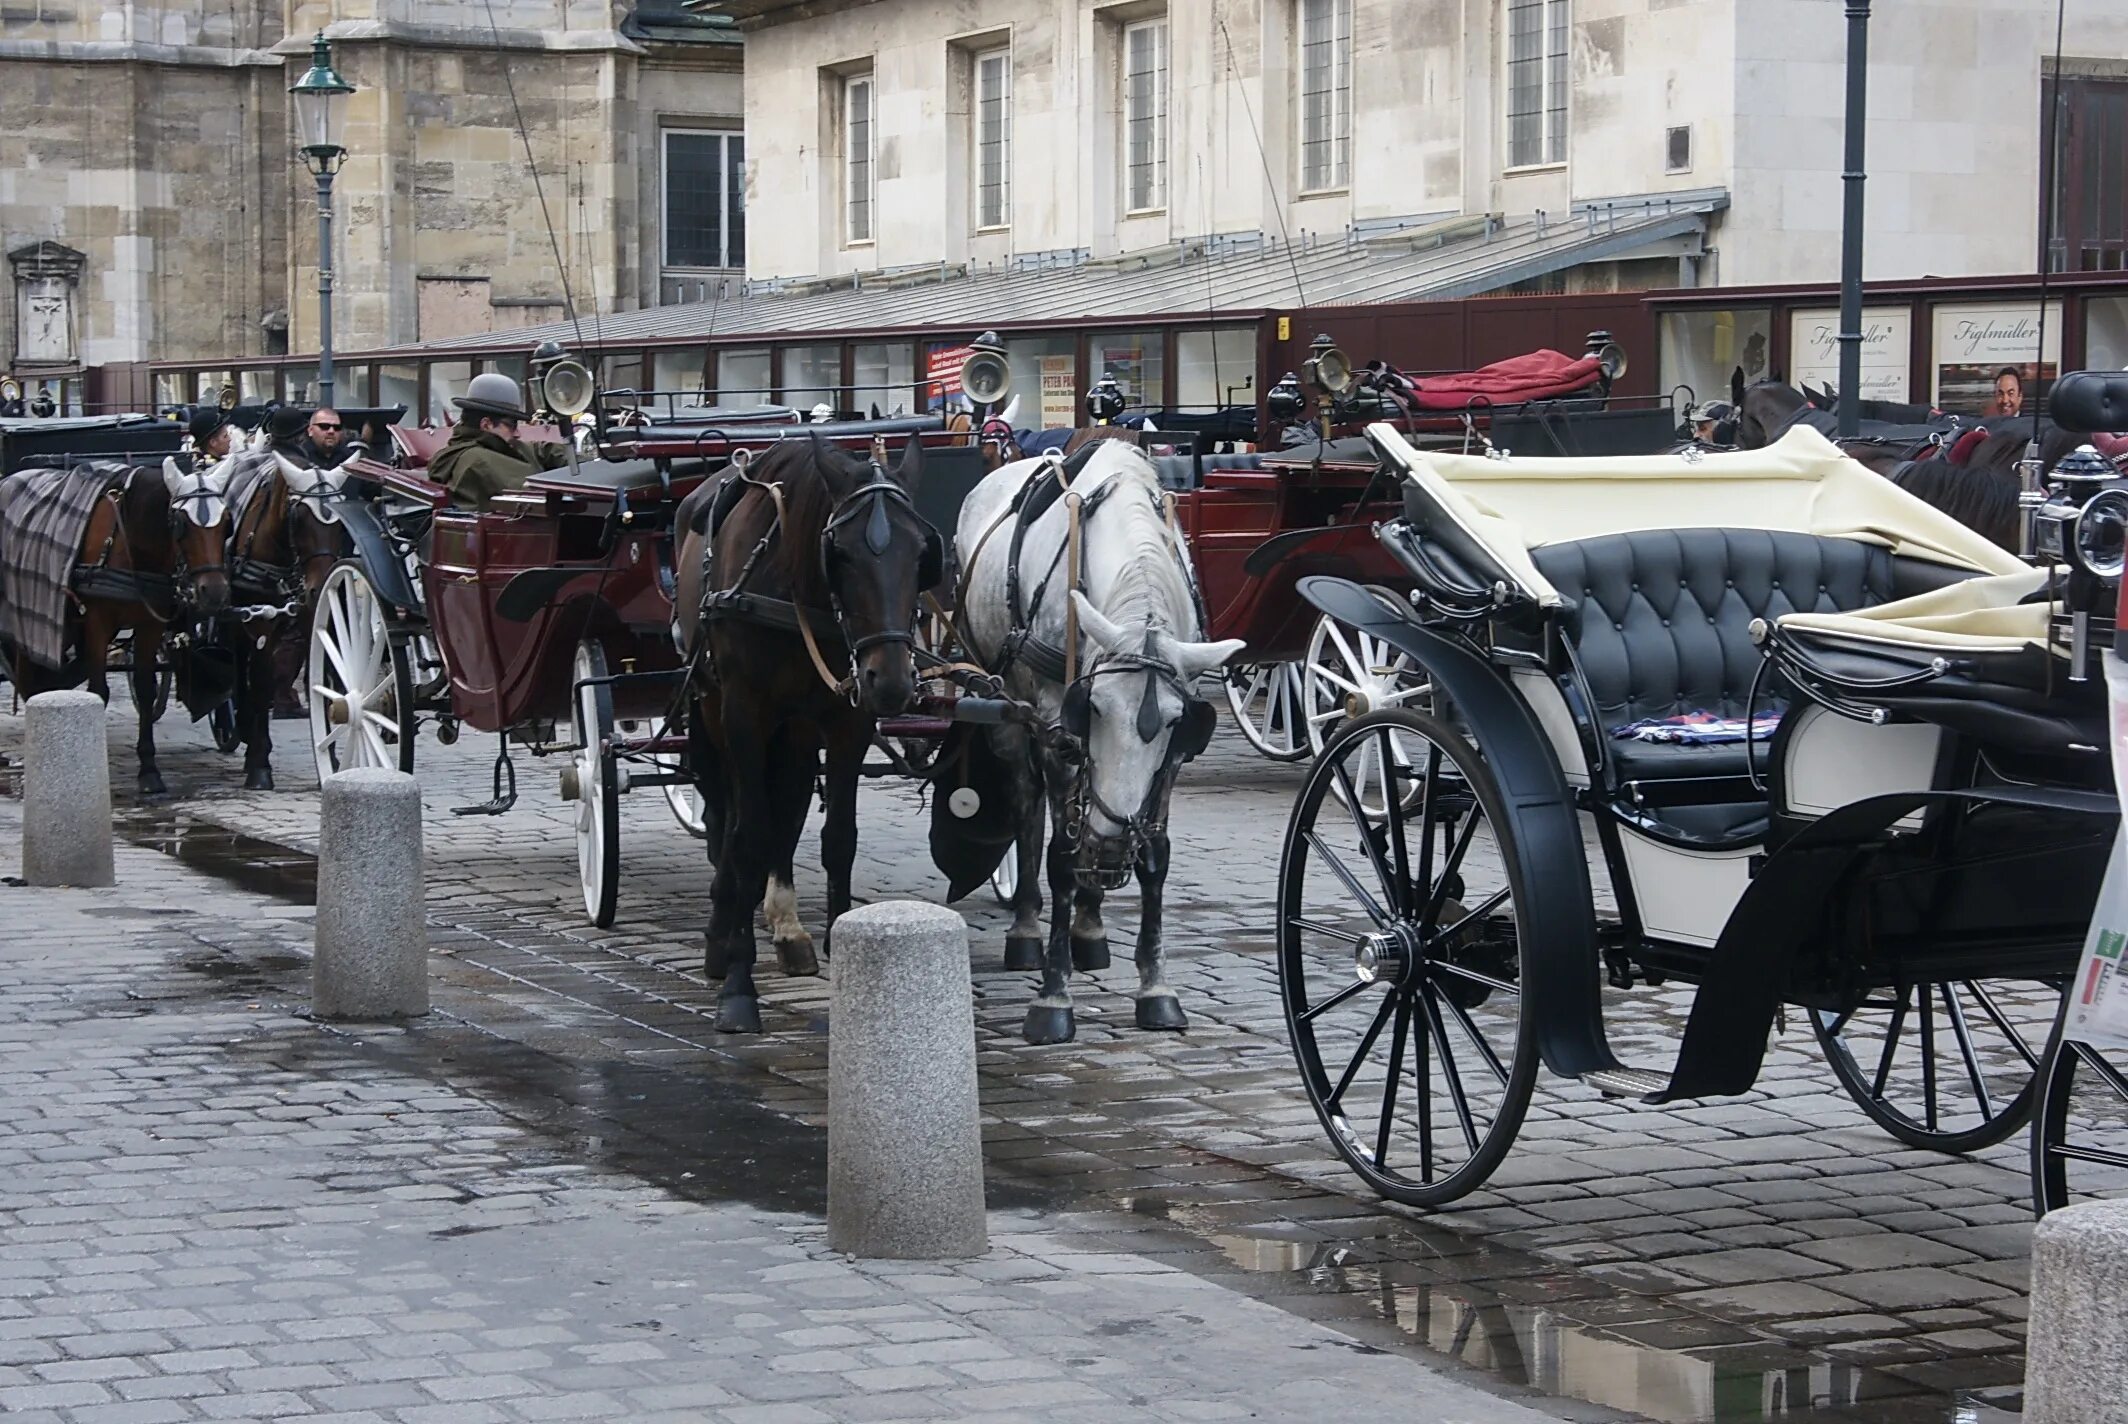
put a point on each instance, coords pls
(1266, 701)
(361, 693)
(1005, 880)
(598, 792)
(684, 800)
(1347, 674)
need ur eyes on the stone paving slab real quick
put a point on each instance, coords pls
(1621, 1198)
(215, 1208)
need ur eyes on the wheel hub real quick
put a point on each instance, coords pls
(1386, 956)
(336, 711)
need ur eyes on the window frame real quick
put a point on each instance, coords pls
(2079, 186)
(1337, 114)
(727, 139)
(1555, 21)
(1001, 55)
(1156, 167)
(867, 81)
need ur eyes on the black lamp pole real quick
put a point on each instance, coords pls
(1852, 180)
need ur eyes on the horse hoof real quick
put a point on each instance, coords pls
(736, 1015)
(1023, 951)
(151, 784)
(259, 779)
(1047, 1025)
(797, 958)
(1088, 955)
(1162, 1011)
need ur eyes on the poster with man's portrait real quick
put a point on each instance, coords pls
(1989, 358)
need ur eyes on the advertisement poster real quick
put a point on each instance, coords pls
(1887, 350)
(942, 375)
(1059, 399)
(1988, 357)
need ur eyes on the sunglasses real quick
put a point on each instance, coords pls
(321, 425)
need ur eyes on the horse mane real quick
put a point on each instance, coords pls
(814, 475)
(1982, 498)
(2004, 447)
(1148, 581)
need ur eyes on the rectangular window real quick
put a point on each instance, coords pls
(2090, 193)
(1137, 361)
(742, 377)
(1536, 82)
(858, 148)
(885, 376)
(1216, 368)
(1145, 115)
(812, 375)
(993, 138)
(705, 199)
(1325, 94)
(678, 371)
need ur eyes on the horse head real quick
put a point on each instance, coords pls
(877, 555)
(312, 531)
(199, 530)
(1765, 410)
(1136, 718)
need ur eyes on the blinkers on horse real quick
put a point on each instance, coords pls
(1192, 734)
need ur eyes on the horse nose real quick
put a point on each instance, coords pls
(213, 593)
(886, 692)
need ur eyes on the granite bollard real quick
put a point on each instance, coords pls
(66, 792)
(372, 945)
(2076, 1357)
(905, 1144)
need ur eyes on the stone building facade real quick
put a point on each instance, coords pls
(152, 140)
(1290, 119)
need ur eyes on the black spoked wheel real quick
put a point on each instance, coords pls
(1947, 1066)
(2080, 1133)
(222, 721)
(1400, 958)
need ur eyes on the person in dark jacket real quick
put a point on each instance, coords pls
(325, 438)
(484, 457)
(212, 434)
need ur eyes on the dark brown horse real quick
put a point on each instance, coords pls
(280, 550)
(840, 542)
(152, 556)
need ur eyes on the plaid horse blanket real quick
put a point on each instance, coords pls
(244, 475)
(43, 514)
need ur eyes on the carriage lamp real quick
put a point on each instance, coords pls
(1284, 402)
(317, 100)
(1327, 369)
(2083, 524)
(985, 375)
(1105, 401)
(1608, 353)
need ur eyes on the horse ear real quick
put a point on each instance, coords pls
(1195, 659)
(911, 467)
(1736, 386)
(1096, 624)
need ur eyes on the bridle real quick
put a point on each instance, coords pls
(1069, 737)
(198, 497)
(874, 496)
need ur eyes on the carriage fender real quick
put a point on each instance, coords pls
(1748, 973)
(374, 551)
(1560, 965)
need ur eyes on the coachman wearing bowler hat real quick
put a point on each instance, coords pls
(212, 434)
(484, 457)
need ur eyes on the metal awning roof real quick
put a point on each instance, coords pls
(1437, 259)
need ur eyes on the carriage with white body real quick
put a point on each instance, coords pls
(1756, 722)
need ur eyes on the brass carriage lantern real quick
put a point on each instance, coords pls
(317, 99)
(1327, 369)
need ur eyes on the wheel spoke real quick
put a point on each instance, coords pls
(1353, 660)
(1956, 1014)
(1330, 676)
(2096, 1061)
(1483, 907)
(1348, 879)
(1374, 1031)
(1355, 987)
(1477, 1039)
(1332, 931)
(1451, 864)
(1423, 1076)
(1432, 779)
(1464, 971)
(1389, 883)
(333, 655)
(1397, 1035)
(1928, 1055)
(1994, 1011)
(1400, 886)
(1891, 1045)
(1449, 1074)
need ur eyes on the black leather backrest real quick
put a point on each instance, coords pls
(2084, 401)
(1661, 619)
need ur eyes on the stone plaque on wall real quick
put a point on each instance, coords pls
(47, 276)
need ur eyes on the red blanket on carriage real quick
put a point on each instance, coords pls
(1541, 375)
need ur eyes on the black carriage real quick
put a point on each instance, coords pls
(1756, 722)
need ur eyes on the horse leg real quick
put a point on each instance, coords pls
(742, 874)
(1157, 1005)
(147, 646)
(845, 754)
(791, 792)
(1049, 1017)
(1089, 937)
(259, 677)
(1023, 942)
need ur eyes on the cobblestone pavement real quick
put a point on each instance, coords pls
(1743, 1259)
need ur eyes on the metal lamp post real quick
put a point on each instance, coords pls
(317, 97)
(1852, 179)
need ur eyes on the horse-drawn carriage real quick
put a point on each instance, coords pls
(1828, 749)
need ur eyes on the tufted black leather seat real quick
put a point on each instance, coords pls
(1660, 621)
(1180, 472)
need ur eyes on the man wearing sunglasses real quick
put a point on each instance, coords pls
(325, 438)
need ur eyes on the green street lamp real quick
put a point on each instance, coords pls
(317, 98)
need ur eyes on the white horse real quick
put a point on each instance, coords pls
(1128, 714)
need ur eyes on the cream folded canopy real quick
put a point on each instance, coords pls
(1979, 615)
(1801, 483)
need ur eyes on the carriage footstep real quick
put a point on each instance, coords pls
(1023, 951)
(1626, 1082)
(1162, 1011)
(1089, 954)
(738, 1015)
(1048, 1025)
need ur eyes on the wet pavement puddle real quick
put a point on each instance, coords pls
(614, 1063)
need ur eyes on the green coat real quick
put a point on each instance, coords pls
(476, 466)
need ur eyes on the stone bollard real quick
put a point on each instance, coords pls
(372, 945)
(905, 1147)
(66, 792)
(2076, 1357)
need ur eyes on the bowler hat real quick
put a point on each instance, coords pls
(287, 423)
(205, 421)
(493, 393)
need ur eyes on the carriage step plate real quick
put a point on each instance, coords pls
(1626, 1082)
